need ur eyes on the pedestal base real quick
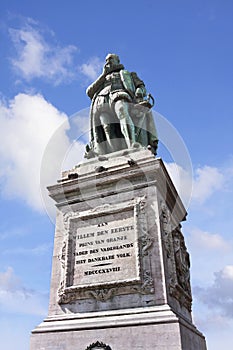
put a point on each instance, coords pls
(148, 328)
(120, 272)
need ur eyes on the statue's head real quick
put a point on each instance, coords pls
(112, 57)
(112, 60)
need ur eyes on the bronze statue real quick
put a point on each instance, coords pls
(120, 115)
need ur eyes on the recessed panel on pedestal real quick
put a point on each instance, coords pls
(104, 252)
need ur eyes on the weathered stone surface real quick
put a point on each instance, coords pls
(120, 265)
(153, 328)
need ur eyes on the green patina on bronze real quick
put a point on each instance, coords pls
(120, 114)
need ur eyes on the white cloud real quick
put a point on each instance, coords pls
(37, 58)
(211, 320)
(209, 251)
(14, 297)
(219, 296)
(211, 241)
(81, 121)
(182, 181)
(213, 309)
(207, 180)
(75, 152)
(27, 125)
(92, 68)
(227, 273)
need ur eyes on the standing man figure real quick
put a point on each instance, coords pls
(115, 122)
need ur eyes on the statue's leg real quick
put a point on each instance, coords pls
(105, 120)
(99, 139)
(126, 124)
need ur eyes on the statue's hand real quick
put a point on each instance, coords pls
(106, 69)
(139, 94)
(94, 87)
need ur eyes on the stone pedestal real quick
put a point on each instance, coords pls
(120, 276)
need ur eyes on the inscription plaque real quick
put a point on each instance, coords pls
(106, 253)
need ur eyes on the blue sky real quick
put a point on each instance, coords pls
(49, 53)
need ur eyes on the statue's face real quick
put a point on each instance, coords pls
(111, 61)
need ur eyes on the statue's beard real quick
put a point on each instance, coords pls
(109, 67)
